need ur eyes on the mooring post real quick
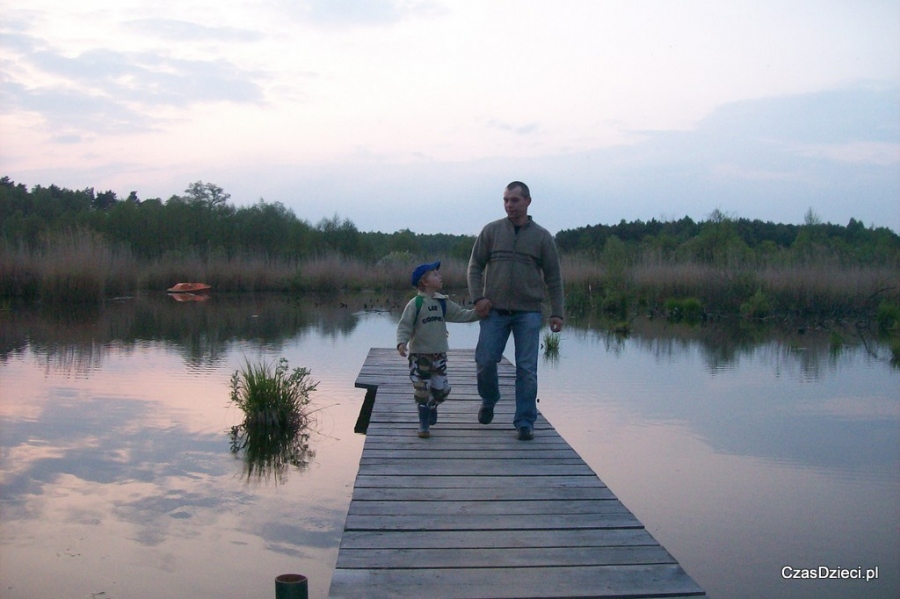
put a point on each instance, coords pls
(291, 586)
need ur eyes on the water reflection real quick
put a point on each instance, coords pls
(95, 441)
(75, 340)
(756, 396)
(115, 459)
(729, 442)
(270, 456)
(724, 344)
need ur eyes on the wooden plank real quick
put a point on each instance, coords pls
(473, 512)
(520, 557)
(468, 493)
(387, 424)
(387, 507)
(491, 522)
(465, 452)
(473, 481)
(523, 538)
(485, 468)
(483, 440)
(514, 583)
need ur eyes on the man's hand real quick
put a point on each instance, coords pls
(556, 324)
(483, 307)
(401, 347)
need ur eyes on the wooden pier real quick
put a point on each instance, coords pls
(473, 512)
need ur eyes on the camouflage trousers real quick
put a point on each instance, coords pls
(428, 373)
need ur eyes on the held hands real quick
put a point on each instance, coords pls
(483, 307)
(401, 347)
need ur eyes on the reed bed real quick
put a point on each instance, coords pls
(831, 289)
(803, 289)
(72, 267)
(321, 274)
(80, 267)
(334, 273)
(19, 272)
(243, 273)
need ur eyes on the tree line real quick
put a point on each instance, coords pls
(202, 222)
(729, 241)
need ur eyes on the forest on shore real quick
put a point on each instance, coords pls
(58, 244)
(203, 222)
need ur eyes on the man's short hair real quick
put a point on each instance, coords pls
(525, 191)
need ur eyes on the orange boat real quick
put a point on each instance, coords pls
(189, 288)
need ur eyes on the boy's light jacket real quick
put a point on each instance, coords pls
(513, 268)
(427, 332)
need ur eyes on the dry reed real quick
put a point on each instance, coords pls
(71, 267)
(81, 267)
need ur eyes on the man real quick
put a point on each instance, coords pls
(513, 266)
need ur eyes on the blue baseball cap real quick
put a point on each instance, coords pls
(421, 269)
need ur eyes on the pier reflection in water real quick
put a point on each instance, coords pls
(742, 450)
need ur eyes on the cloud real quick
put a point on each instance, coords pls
(525, 129)
(108, 91)
(880, 153)
(744, 159)
(16, 43)
(65, 110)
(780, 138)
(833, 116)
(770, 159)
(149, 78)
(341, 13)
(178, 30)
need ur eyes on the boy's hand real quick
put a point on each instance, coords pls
(483, 307)
(401, 347)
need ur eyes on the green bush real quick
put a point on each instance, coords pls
(615, 304)
(689, 310)
(888, 316)
(757, 306)
(579, 300)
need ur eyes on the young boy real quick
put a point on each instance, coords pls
(423, 325)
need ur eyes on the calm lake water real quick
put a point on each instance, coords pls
(744, 452)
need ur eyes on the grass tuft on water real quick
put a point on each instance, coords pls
(551, 344)
(275, 403)
(273, 399)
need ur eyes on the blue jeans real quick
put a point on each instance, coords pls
(495, 329)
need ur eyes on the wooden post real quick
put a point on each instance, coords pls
(291, 586)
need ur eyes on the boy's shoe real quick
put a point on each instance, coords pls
(485, 414)
(525, 433)
(424, 417)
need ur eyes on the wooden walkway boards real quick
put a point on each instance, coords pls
(473, 512)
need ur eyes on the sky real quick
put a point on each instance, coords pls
(415, 114)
